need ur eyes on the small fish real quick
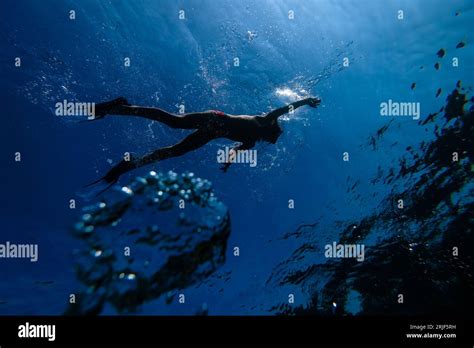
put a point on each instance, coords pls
(460, 45)
(441, 53)
(421, 67)
(438, 92)
(457, 14)
(413, 85)
(436, 66)
(458, 84)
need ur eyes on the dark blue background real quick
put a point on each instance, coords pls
(191, 61)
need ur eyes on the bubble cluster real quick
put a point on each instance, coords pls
(159, 233)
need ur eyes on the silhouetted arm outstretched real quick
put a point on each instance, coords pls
(313, 102)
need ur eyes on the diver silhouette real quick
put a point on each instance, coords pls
(208, 125)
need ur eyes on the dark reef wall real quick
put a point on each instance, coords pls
(426, 253)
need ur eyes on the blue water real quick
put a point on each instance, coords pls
(191, 61)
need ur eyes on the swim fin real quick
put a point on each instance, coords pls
(95, 189)
(105, 108)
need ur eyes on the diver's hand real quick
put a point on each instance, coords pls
(313, 102)
(225, 167)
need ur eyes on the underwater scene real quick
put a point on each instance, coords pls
(237, 158)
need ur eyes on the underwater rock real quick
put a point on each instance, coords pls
(160, 233)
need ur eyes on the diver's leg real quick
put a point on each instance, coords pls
(186, 121)
(193, 120)
(192, 142)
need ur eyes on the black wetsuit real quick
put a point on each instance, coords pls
(208, 126)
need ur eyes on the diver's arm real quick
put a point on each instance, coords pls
(313, 102)
(243, 146)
